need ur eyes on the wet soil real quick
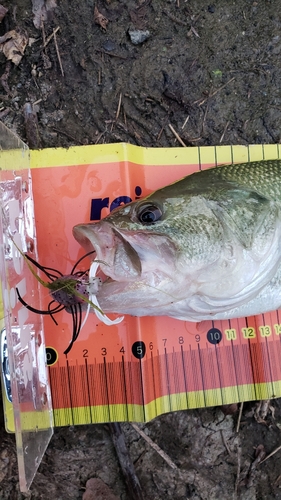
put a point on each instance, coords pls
(212, 71)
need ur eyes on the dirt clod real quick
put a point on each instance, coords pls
(96, 489)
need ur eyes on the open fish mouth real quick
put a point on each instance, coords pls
(118, 260)
(117, 265)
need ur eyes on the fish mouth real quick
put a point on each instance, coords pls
(119, 261)
(129, 270)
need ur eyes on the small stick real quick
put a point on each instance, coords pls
(239, 417)
(270, 454)
(125, 462)
(195, 139)
(173, 18)
(155, 447)
(50, 37)
(225, 443)
(224, 131)
(177, 135)
(58, 54)
(119, 107)
(185, 121)
(117, 112)
(222, 87)
(213, 93)
(37, 102)
(277, 480)
(160, 133)
(99, 137)
(111, 54)
(43, 33)
(193, 30)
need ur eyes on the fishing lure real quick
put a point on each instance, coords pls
(70, 292)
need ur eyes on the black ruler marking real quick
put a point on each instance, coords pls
(69, 389)
(219, 369)
(252, 367)
(184, 376)
(201, 369)
(142, 389)
(167, 377)
(153, 380)
(125, 387)
(88, 389)
(106, 388)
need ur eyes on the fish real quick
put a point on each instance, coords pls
(206, 247)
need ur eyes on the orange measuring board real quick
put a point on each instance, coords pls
(147, 366)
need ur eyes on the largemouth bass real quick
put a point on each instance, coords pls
(205, 247)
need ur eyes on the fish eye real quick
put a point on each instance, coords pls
(149, 214)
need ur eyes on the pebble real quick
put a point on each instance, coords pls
(138, 36)
(109, 45)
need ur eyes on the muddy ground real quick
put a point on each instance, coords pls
(212, 70)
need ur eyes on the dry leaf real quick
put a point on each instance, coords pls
(41, 9)
(13, 45)
(139, 15)
(100, 19)
(3, 12)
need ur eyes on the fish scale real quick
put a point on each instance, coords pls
(264, 177)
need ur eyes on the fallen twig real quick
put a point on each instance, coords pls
(175, 19)
(155, 447)
(239, 417)
(224, 131)
(111, 54)
(193, 30)
(270, 454)
(177, 135)
(117, 112)
(200, 102)
(125, 461)
(195, 139)
(185, 122)
(45, 43)
(119, 107)
(222, 87)
(99, 137)
(43, 33)
(225, 443)
(58, 53)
